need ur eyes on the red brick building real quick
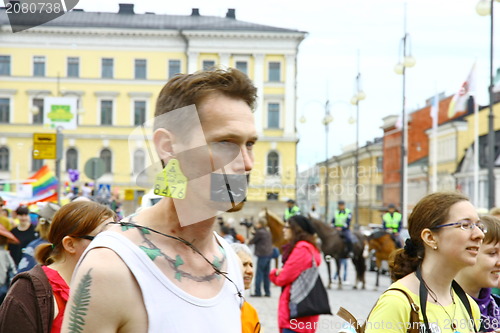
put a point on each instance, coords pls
(419, 121)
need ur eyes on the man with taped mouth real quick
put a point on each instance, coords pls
(164, 269)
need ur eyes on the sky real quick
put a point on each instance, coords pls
(446, 37)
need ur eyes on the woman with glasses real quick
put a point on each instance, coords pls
(445, 237)
(478, 280)
(37, 298)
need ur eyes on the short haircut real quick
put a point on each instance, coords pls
(237, 247)
(22, 210)
(492, 224)
(192, 89)
(495, 211)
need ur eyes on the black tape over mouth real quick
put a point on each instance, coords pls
(228, 188)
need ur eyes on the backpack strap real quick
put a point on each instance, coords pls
(360, 328)
(465, 301)
(347, 316)
(414, 309)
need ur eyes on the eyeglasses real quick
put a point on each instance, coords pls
(90, 238)
(465, 225)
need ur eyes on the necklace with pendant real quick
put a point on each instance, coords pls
(453, 325)
(216, 265)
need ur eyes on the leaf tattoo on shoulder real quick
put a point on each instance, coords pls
(81, 301)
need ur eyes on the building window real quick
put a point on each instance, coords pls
(4, 110)
(174, 68)
(273, 115)
(140, 68)
(71, 159)
(37, 109)
(208, 64)
(272, 196)
(4, 65)
(242, 66)
(106, 112)
(107, 68)
(36, 164)
(273, 163)
(106, 157)
(4, 159)
(139, 112)
(139, 161)
(73, 67)
(274, 72)
(39, 66)
(379, 189)
(380, 164)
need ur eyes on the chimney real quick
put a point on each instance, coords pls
(195, 12)
(126, 8)
(231, 13)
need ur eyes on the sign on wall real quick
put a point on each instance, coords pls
(60, 112)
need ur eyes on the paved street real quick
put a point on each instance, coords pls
(358, 302)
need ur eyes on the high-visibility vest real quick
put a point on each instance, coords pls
(291, 212)
(341, 218)
(392, 222)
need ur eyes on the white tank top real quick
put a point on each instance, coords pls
(171, 309)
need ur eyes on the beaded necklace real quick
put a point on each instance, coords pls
(215, 266)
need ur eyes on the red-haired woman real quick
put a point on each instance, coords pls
(37, 298)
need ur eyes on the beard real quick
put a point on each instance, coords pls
(236, 208)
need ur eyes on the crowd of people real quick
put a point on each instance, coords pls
(83, 268)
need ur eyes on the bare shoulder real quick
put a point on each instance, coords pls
(98, 301)
(411, 283)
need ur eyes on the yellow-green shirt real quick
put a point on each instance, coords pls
(392, 313)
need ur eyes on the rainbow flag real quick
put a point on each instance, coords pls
(44, 181)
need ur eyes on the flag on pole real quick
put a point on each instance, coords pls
(44, 181)
(434, 117)
(459, 101)
(399, 123)
(496, 82)
(435, 108)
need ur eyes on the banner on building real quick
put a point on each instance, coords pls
(60, 112)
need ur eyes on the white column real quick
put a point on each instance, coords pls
(290, 96)
(224, 59)
(192, 62)
(258, 79)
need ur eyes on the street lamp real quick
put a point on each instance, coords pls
(484, 8)
(359, 95)
(327, 119)
(406, 60)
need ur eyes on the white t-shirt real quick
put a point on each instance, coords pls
(171, 309)
(6, 262)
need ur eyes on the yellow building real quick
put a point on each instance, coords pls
(455, 155)
(115, 64)
(342, 181)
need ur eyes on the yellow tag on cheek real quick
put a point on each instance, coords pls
(171, 182)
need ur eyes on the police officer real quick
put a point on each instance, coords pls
(292, 209)
(391, 222)
(342, 222)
